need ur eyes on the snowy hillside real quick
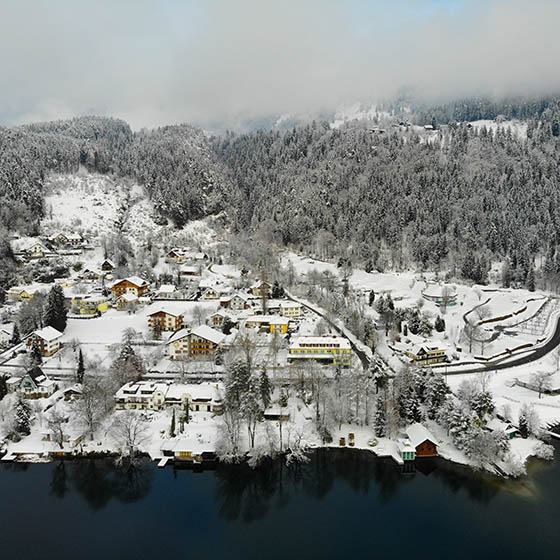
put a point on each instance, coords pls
(518, 128)
(95, 206)
(357, 111)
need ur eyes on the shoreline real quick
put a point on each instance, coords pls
(404, 467)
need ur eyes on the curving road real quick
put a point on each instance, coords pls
(526, 358)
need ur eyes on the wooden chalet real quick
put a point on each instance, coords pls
(132, 285)
(421, 439)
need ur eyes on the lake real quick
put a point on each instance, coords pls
(342, 504)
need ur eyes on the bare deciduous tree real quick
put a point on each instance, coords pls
(541, 382)
(130, 431)
(56, 423)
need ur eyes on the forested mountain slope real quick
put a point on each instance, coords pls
(383, 195)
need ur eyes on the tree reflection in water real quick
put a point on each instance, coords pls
(99, 481)
(247, 494)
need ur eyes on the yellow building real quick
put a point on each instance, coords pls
(270, 323)
(91, 305)
(334, 349)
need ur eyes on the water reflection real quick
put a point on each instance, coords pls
(247, 494)
(100, 481)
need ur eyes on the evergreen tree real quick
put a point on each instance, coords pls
(482, 403)
(23, 417)
(277, 290)
(380, 420)
(16, 339)
(227, 326)
(436, 393)
(187, 413)
(80, 370)
(265, 389)
(172, 428)
(439, 324)
(55, 310)
(35, 356)
(3, 387)
(523, 424)
(530, 282)
(371, 298)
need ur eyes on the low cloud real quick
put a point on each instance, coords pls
(155, 63)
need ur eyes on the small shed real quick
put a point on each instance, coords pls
(421, 439)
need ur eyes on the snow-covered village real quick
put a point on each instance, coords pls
(125, 337)
(279, 279)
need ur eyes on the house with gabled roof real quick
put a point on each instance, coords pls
(126, 301)
(497, 425)
(35, 384)
(166, 291)
(261, 288)
(6, 332)
(422, 440)
(424, 355)
(165, 319)
(218, 319)
(197, 342)
(235, 302)
(131, 285)
(210, 293)
(108, 265)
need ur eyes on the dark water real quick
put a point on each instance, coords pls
(343, 504)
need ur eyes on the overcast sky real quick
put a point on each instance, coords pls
(162, 62)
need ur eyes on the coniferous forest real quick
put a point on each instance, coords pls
(385, 196)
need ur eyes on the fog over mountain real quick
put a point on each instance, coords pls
(222, 63)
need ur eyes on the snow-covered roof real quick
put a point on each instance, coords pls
(260, 283)
(167, 311)
(220, 313)
(128, 297)
(286, 304)
(26, 243)
(141, 388)
(189, 269)
(178, 335)
(202, 391)
(497, 425)
(335, 341)
(166, 289)
(47, 333)
(136, 280)
(204, 331)
(418, 434)
(188, 443)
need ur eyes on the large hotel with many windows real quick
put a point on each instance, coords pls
(332, 349)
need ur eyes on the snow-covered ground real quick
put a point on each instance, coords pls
(92, 204)
(518, 128)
